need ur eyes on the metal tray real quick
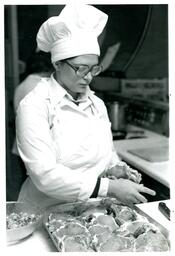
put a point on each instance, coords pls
(79, 207)
(162, 229)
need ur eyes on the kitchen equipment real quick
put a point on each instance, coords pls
(163, 208)
(128, 134)
(16, 234)
(151, 115)
(116, 116)
(119, 135)
(79, 207)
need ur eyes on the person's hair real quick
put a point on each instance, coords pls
(38, 62)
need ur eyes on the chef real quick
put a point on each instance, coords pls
(63, 131)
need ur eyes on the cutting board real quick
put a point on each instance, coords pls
(153, 154)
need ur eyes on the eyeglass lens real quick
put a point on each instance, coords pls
(82, 70)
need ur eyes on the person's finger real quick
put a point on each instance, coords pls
(133, 171)
(141, 198)
(139, 178)
(132, 201)
(132, 174)
(147, 190)
(136, 178)
(112, 177)
(133, 178)
(130, 204)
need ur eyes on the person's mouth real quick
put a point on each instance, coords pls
(84, 85)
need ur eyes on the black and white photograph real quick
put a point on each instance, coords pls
(87, 126)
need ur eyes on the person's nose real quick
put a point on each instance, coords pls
(88, 77)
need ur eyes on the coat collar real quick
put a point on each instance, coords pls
(58, 94)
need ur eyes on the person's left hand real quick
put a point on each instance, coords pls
(122, 170)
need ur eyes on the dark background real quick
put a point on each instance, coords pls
(141, 29)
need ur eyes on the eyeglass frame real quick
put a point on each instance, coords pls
(77, 68)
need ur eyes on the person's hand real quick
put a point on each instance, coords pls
(122, 170)
(133, 174)
(128, 192)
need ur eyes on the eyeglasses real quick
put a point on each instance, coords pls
(83, 70)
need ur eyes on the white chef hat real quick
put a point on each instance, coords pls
(72, 33)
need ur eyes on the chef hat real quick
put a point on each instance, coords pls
(72, 33)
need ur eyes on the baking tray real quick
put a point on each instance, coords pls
(162, 229)
(79, 207)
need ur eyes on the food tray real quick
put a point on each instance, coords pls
(78, 208)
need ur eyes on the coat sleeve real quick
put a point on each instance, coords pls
(37, 151)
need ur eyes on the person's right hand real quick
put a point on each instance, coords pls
(124, 171)
(128, 192)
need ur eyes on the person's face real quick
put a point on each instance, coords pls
(70, 79)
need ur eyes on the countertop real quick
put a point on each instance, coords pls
(151, 209)
(40, 242)
(157, 170)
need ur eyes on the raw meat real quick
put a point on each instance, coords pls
(151, 241)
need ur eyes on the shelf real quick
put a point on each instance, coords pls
(128, 99)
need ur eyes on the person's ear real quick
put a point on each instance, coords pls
(57, 65)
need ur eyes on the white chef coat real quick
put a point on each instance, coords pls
(27, 85)
(65, 146)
